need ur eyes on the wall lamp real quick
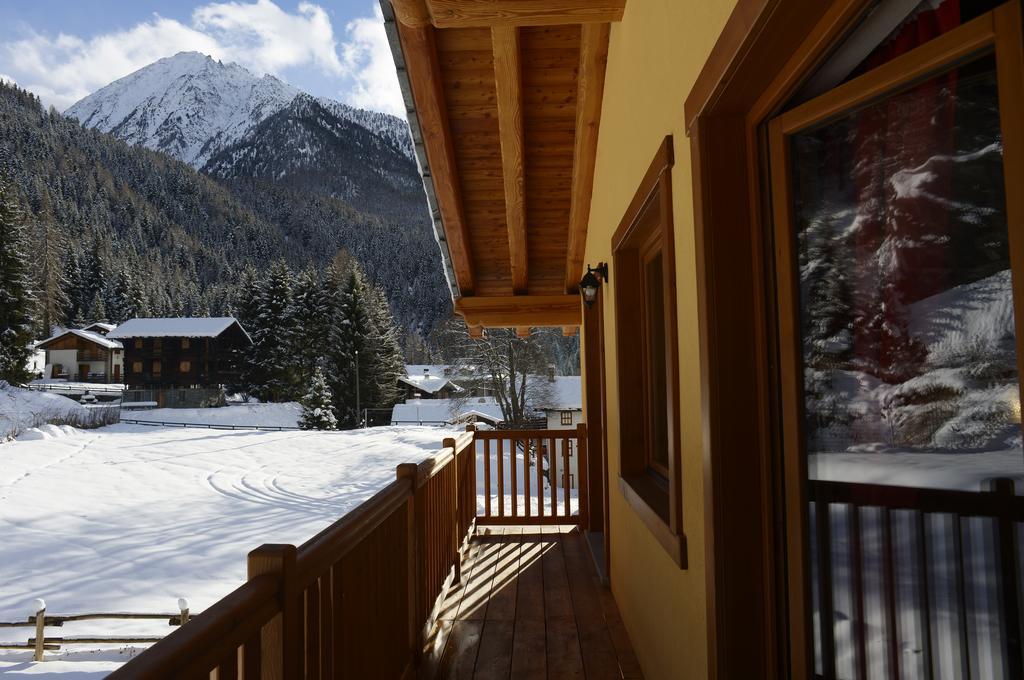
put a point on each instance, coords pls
(591, 281)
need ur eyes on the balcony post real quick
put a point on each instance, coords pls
(279, 639)
(408, 471)
(583, 490)
(456, 556)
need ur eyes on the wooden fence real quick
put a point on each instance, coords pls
(912, 582)
(41, 620)
(351, 602)
(526, 476)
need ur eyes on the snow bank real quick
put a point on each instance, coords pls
(131, 518)
(263, 415)
(23, 409)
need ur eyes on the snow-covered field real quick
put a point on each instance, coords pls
(129, 518)
(262, 415)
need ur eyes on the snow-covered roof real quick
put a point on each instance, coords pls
(428, 378)
(446, 410)
(566, 394)
(100, 326)
(96, 338)
(180, 327)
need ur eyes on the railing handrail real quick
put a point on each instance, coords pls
(242, 608)
(991, 503)
(555, 433)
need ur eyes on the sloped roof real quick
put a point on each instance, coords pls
(96, 338)
(102, 325)
(178, 327)
(429, 378)
(446, 410)
(566, 394)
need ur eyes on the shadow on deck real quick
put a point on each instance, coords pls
(529, 606)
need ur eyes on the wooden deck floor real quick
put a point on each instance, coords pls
(529, 606)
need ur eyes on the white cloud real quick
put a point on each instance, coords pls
(264, 37)
(259, 35)
(369, 60)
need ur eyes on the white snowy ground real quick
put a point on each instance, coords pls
(129, 518)
(264, 415)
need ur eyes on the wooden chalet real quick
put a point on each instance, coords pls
(791, 235)
(82, 355)
(181, 352)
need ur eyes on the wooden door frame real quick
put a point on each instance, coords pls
(764, 52)
(597, 409)
(996, 32)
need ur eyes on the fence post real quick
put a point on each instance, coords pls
(1008, 573)
(279, 640)
(408, 472)
(40, 629)
(183, 606)
(583, 489)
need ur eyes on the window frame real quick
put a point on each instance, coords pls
(185, 343)
(655, 497)
(185, 366)
(565, 417)
(997, 32)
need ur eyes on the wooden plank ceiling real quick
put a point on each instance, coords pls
(507, 95)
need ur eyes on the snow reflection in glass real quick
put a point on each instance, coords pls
(910, 379)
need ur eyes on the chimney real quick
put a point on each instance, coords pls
(551, 373)
(426, 370)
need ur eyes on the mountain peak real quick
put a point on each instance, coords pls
(187, 105)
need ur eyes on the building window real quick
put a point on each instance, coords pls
(566, 417)
(136, 367)
(157, 344)
(185, 367)
(185, 343)
(157, 366)
(138, 343)
(645, 302)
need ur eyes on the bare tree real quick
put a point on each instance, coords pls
(515, 370)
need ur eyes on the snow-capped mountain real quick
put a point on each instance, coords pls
(192, 107)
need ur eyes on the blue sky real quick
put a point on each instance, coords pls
(65, 49)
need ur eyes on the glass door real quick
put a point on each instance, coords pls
(897, 200)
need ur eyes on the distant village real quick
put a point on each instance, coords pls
(193, 361)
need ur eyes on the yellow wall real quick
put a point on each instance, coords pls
(654, 57)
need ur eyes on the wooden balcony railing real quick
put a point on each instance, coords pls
(358, 599)
(528, 476)
(350, 602)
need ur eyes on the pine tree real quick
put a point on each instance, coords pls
(49, 280)
(16, 301)
(272, 334)
(317, 405)
(386, 362)
(311, 305)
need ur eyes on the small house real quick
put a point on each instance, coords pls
(181, 352)
(79, 355)
(423, 381)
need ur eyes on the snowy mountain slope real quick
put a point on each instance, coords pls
(191, 107)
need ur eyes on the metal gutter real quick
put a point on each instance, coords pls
(391, 28)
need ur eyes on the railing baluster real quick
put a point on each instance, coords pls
(566, 509)
(860, 649)
(526, 476)
(501, 478)
(514, 478)
(487, 476)
(926, 618)
(823, 534)
(961, 594)
(888, 560)
(1008, 575)
(540, 478)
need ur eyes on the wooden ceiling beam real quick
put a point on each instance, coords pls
(411, 12)
(425, 75)
(513, 311)
(468, 13)
(508, 82)
(589, 92)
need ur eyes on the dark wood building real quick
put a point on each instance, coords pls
(181, 352)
